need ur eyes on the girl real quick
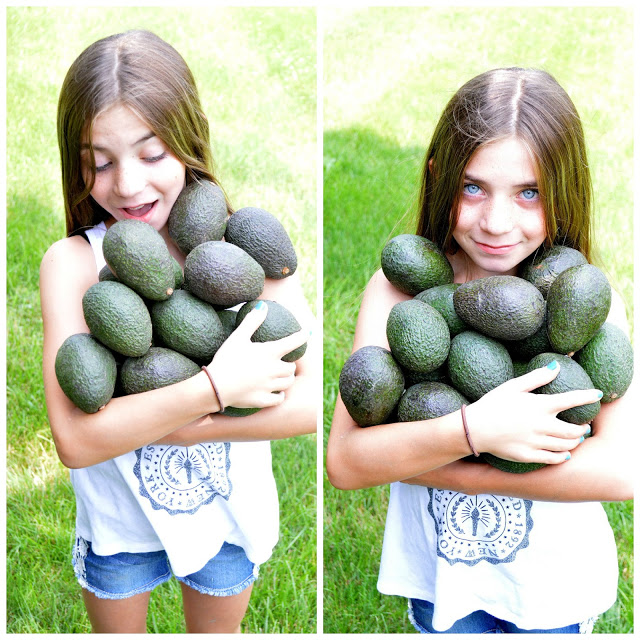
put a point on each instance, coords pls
(163, 483)
(504, 175)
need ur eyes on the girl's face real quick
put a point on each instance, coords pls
(501, 219)
(136, 175)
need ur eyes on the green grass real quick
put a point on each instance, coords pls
(388, 72)
(256, 71)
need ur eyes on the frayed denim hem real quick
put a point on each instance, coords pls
(412, 618)
(80, 551)
(229, 591)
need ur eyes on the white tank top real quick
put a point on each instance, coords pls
(185, 500)
(539, 565)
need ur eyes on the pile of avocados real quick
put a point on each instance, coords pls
(151, 324)
(452, 343)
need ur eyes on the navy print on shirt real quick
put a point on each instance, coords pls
(183, 479)
(482, 527)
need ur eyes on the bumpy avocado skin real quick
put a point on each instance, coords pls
(278, 323)
(265, 239)
(370, 384)
(543, 267)
(418, 336)
(159, 367)
(608, 360)
(198, 215)
(118, 317)
(441, 299)
(412, 264)
(222, 274)
(86, 372)
(138, 256)
(578, 303)
(477, 364)
(188, 325)
(503, 307)
(427, 400)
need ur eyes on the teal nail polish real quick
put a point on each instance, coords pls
(568, 456)
(582, 439)
(552, 365)
(599, 395)
(260, 305)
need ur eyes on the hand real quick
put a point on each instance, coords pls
(514, 424)
(252, 374)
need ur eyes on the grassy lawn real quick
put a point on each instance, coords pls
(256, 71)
(388, 72)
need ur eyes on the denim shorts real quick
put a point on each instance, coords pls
(421, 616)
(126, 574)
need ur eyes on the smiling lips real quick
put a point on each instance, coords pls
(495, 250)
(138, 212)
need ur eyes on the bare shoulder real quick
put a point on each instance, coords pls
(67, 254)
(379, 298)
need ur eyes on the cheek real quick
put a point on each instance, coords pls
(534, 226)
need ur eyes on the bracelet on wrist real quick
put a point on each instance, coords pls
(466, 430)
(215, 388)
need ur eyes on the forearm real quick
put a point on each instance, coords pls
(126, 423)
(594, 473)
(293, 417)
(365, 457)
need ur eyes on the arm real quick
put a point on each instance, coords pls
(508, 421)
(296, 415)
(601, 468)
(126, 423)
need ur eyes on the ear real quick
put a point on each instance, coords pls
(431, 167)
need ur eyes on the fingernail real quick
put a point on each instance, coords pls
(588, 431)
(552, 365)
(599, 395)
(260, 304)
(568, 457)
(582, 439)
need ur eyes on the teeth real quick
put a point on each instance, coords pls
(135, 208)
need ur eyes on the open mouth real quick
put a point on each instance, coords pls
(139, 212)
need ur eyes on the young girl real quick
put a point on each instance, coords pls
(164, 483)
(475, 549)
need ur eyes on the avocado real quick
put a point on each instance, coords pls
(236, 412)
(198, 215)
(370, 384)
(530, 346)
(427, 400)
(412, 263)
(570, 377)
(414, 377)
(265, 239)
(510, 466)
(441, 299)
(608, 360)
(188, 325)
(418, 336)
(118, 317)
(86, 372)
(520, 367)
(477, 364)
(578, 303)
(543, 267)
(228, 320)
(106, 274)
(222, 274)
(502, 307)
(178, 276)
(278, 323)
(138, 256)
(159, 367)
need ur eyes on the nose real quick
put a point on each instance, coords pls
(129, 180)
(497, 218)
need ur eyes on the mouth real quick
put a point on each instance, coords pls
(495, 249)
(140, 212)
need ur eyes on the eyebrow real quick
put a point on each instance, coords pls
(147, 136)
(523, 185)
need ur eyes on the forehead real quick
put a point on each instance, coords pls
(507, 160)
(117, 125)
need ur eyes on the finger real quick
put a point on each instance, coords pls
(566, 400)
(561, 444)
(289, 343)
(282, 384)
(555, 457)
(252, 320)
(536, 378)
(273, 399)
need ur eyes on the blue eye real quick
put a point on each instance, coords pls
(530, 194)
(471, 189)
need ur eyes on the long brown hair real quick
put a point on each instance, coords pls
(528, 104)
(140, 70)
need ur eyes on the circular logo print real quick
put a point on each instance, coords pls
(182, 479)
(482, 527)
